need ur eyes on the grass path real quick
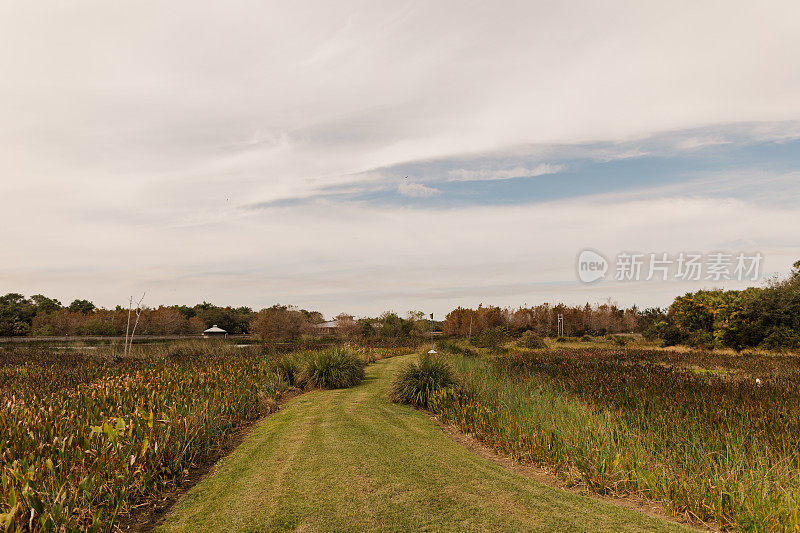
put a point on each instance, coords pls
(348, 460)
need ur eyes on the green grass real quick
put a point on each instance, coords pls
(349, 460)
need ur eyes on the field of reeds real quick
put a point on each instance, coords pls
(88, 435)
(714, 436)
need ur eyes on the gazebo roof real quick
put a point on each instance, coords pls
(215, 329)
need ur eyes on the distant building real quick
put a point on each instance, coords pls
(331, 327)
(215, 331)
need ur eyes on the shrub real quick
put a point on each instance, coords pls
(416, 384)
(491, 338)
(586, 338)
(781, 337)
(455, 348)
(618, 340)
(701, 339)
(334, 368)
(653, 331)
(561, 339)
(531, 341)
(670, 335)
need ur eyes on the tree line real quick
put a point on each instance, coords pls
(543, 320)
(43, 316)
(766, 317)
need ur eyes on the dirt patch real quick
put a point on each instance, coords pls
(549, 477)
(149, 515)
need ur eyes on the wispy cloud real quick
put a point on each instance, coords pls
(631, 153)
(692, 143)
(462, 174)
(416, 190)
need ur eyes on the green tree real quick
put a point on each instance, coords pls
(16, 314)
(186, 311)
(394, 327)
(365, 328)
(232, 320)
(81, 306)
(45, 305)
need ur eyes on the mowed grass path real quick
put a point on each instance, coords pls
(349, 460)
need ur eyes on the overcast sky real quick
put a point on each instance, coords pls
(365, 156)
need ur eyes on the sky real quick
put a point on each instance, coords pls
(369, 156)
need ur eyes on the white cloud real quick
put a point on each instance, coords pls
(138, 137)
(416, 190)
(462, 174)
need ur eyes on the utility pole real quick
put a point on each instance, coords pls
(560, 325)
(432, 351)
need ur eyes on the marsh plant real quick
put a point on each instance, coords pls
(712, 436)
(87, 435)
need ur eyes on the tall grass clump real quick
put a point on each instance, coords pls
(531, 341)
(416, 384)
(334, 368)
(694, 431)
